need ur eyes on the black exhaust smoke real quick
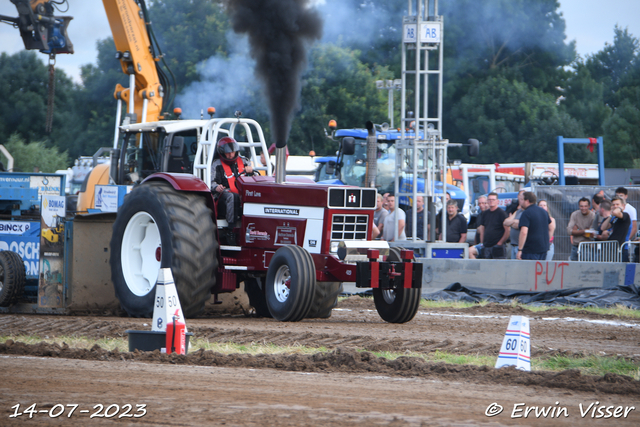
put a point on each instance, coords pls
(280, 32)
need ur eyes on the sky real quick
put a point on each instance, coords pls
(589, 22)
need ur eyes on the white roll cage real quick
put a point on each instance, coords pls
(215, 129)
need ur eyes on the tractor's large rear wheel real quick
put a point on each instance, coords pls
(159, 227)
(12, 278)
(397, 305)
(254, 287)
(325, 298)
(291, 284)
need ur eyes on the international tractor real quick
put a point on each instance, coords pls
(295, 243)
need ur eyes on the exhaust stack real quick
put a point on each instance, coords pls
(281, 163)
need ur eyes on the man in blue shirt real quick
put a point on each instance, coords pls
(533, 242)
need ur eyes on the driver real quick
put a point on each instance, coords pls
(226, 169)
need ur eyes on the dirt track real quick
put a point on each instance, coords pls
(343, 387)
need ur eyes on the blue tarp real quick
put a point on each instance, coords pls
(628, 296)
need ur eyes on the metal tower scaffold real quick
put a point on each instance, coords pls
(421, 153)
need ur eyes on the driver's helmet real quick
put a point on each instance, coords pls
(228, 145)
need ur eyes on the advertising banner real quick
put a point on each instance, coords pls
(22, 237)
(51, 284)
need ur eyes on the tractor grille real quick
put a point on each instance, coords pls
(349, 227)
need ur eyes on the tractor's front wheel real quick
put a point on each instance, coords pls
(291, 284)
(398, 305)
(159, 227)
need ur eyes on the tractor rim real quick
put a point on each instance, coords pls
(282, 283)
(389, 296)
(140, 263)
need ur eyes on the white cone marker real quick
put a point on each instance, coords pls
(167, 303)
(516, 348)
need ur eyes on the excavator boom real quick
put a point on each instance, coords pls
(137, 57)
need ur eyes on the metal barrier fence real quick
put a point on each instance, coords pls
(562, 201)
(634, 248)
(607, 251)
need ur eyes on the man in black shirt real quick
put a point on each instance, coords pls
(492, 231)
(533, 242)
(620, 221)
(419, 220)
(456, 224)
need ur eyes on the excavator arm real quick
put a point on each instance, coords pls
(138, 58)
(149, 86)
(136, 49)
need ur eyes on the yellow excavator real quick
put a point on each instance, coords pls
(141, 59)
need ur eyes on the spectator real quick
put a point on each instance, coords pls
(620, 220)
(534, 230)
(514, 205)
(475, 250)
(622, 193)
(493, 232)
(595, 202)
(419, 220)
(375, 231)
(388, 232)
(595, 208)
(456, 224)
(552, 229)
(512, 222)
(379, 214)
(604, 212)
(385, 202)
(580, 220)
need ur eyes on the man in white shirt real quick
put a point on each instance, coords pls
(633, 215)
(388, 231)
(380, 214)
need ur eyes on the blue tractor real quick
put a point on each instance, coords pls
(349, 166)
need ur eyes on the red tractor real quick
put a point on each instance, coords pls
(296, 242)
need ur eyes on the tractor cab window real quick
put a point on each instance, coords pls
(180, 151)
(355, 166)
(138, 163)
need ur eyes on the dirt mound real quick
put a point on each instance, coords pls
(345, 360)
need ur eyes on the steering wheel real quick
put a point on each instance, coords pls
(549, 180)
(194, 148)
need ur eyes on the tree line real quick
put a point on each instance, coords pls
(511, 80)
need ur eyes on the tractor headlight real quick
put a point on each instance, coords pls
(333, 247)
